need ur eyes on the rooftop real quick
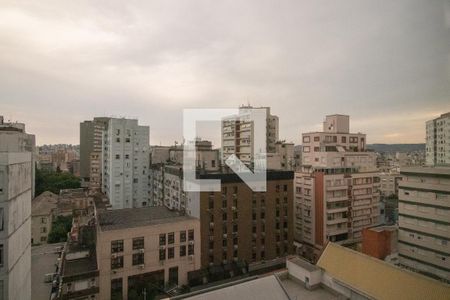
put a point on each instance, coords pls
(44, 204)
(376, 278)
(432, 171)
(137, 217)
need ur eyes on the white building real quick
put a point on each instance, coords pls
(16, 192)
(438, 141)
(238, 134)
(424, 220)
(337, 188)
(126, 153)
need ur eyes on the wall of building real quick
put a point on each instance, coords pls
(151, 253)
(15, 234)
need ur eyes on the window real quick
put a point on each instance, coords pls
(316, 138)
(118, 140)
(190, 249)
(182, 250)
(191, 235)
(117, 246)
(43, 219)
(43, 229)
(306, 139)
(117, 262)
(162, 239)
(316, 149)
(127, 156)
(235, 189)
(224, 216)
(138, 259)
(117, 156)
(116, 288)
(182, 236)
(344, 139)
(162, 254)
(171, 253)
(306, 149)
(127, 140)
(171, 238)
(138, 243)
(43, 238)
(1, 219)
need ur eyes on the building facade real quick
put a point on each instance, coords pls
(336, 190)
(424, 220)
(136, 247)
(238, 224)
(125, 158)
(238, 134)
(438, 141)
(16, 192)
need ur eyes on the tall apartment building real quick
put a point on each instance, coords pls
(145, 250)
(125, 163)
(424, 220)
(337, 188)
(238, 224)
(16, 192)
(238, 134)
(91, 135)
(438, 141)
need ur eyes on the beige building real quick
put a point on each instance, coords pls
(238, 134)
(143, 245)
(337, 189)
(389, 184)
(43, 209)
(438, 141)
(424, 220)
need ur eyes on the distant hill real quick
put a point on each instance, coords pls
(392, 148)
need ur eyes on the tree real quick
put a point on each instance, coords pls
(60, 227)
(54, 181)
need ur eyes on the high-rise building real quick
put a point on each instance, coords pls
(91, 135)
(86, 147)
(424, 220)
(438, 141)
(125, 163)
(238, 224)
(337, 188)
(16, 192)
(238, 134)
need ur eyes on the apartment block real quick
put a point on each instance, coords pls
(43, 209)
(166, 175)
(438, 141)
(91, 135)
(239, 225)
(389, 184)
(125, 163)
(150, 248)
(238, 134)
(16, 192)
(336, 189)
(424, 220)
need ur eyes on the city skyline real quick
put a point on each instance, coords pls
(385, 66)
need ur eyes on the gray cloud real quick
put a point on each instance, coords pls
(387, 65)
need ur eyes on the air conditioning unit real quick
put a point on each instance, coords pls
(191, 257)
(141, 250)
(191, 242)
(113, 255)
(141, 266)
(162, 247)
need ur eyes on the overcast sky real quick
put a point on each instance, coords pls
(385, 63)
